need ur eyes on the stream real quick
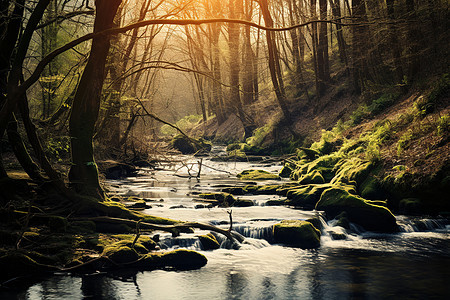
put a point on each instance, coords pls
(412, 264)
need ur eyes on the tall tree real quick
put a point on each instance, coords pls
(83, 174)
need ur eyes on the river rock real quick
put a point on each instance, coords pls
(182, 259)
(256, 175)
(306, 196)
(359, 210)
(209, 242)
(120, 254)
(188, 146)
(301, 234)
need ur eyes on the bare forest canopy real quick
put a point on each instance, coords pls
(109, 73)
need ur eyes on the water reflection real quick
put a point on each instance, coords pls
(270, 273)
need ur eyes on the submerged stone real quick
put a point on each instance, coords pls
(297, 233)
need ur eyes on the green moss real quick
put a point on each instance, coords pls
(120, 254)
(352, 170)
(256, 175)
(314, 177)
(296, 233)
(209, 242)
(324, 164)
(306, 196)
(269, 189)
(372, 217)
(371, 188)
(307, 153)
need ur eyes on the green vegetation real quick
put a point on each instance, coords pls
(185, 124)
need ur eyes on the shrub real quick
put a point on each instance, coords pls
(443, 125)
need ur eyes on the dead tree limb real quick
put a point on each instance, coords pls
(168, 228)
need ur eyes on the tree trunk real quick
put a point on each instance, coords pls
(83, 174)
(274, 65)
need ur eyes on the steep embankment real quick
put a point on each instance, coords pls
(402, 140)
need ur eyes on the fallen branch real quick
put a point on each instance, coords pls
(168, 228)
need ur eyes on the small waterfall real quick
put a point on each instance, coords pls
(255, 232)
(184, 241)
(422, 225)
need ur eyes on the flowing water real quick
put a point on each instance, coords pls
(412, 264)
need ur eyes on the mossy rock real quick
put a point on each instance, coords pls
(182, 259)
(313, 177)
(372, 217)
(287, 169)
(188, 146)
(121, 254)
(337, 233)
(343, 220)
(371, 188)
(256, 175)
(316, 222)
(235, 190)
(243, 203)
(410, 206)
(352, 170)
(275, 203)
(224, 199)
(301, 234)
(324, 164)
(307, 153)
(209, 242)
(306, 196)
(269, 189)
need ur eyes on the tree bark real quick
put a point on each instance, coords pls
(83, 174)
(274, 65)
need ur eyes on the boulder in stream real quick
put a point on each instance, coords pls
(209, 242)
(363, 212)
(296, 233)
